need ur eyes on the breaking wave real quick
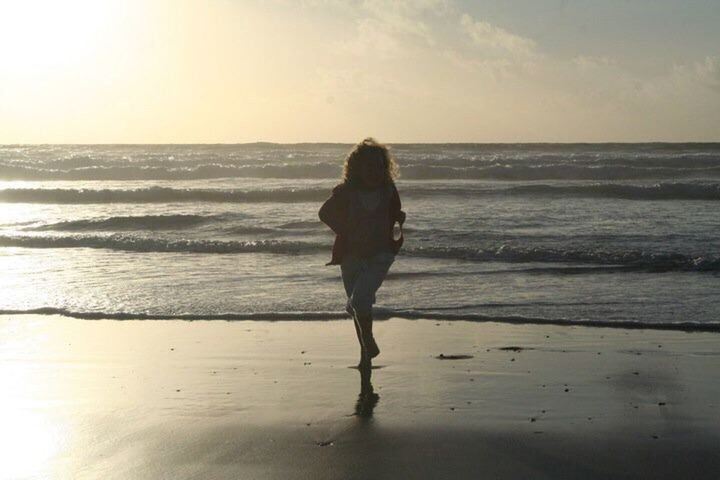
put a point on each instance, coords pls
(629, 260)
(140, 222)
(658, 191)
(144, 244)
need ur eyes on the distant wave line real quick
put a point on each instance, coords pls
(158, 195)
(659, 191)
(188, 160)
(326, 170)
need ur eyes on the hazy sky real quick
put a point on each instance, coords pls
(225, 71)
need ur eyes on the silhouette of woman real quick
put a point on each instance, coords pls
(362, 211)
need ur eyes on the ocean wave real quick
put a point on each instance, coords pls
(658, 191)
(147, 244)
(139, 222)
(199, 172)
(696, 190)
(159, 195)
(247, 230)
(327, 170)
(559, 171)
(378, 314)
(687, 161)
(536, 159)
(301, 225)
(629, 260)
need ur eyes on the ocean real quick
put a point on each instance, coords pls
(599, 234)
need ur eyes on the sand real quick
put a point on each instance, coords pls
(87, 399)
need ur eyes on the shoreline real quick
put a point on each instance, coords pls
(279, 399)
(378, 314)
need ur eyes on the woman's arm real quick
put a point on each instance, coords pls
(333, 212)
(396, 207)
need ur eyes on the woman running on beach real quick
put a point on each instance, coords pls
(362, 212)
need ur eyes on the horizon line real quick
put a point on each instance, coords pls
(263, 142)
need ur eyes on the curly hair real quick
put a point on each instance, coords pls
(369, 149)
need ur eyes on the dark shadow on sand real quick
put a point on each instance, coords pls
(367, 399)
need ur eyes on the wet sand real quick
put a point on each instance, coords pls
(265, 400)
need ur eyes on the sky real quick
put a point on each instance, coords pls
(236, 71)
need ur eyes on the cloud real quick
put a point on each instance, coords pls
(403, 59)
(390, 28)
(587, 62)
(371, 39)
(706, 73)
(486, 35)
(709, 72)
(405, 8)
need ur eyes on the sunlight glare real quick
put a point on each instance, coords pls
(42, 36)
(29, 438)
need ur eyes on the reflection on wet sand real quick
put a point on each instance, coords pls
(367, 399)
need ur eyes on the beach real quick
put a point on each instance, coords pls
(210, 212)
(280, 399)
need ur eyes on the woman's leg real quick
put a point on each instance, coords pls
(368, 281)
(350, 270)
